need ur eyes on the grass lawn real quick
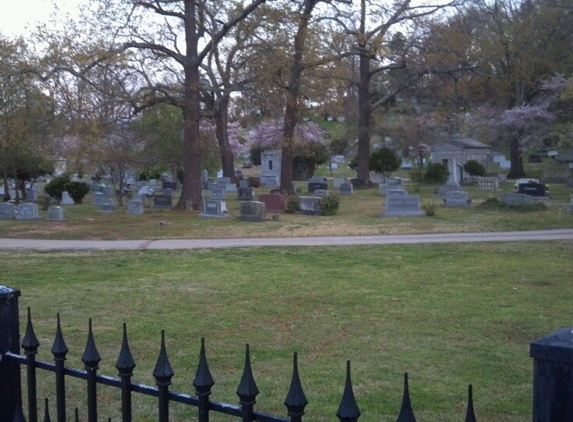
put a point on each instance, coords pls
(449, 315)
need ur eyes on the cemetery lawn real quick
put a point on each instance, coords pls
(449, 315)
(358, 215)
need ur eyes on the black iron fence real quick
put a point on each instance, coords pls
(552, 385)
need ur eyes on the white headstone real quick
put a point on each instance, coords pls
(66, 199)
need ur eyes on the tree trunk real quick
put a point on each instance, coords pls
(221, 122)
(291, 110)
(364, 115)
(515, 156)
(191, 190)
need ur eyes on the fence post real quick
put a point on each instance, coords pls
(553, 376)
(10, 382)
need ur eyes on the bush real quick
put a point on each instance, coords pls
(384, 161)
(474, 168)
(429, 209)
(254, 181)
(291, 206)
(77, 190)
(437, 174)
(57, 186)
(495, 204)
(329, 205)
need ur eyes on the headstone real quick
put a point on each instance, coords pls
(245, 194)
(406, 165)
(27, 211)
(444, 189)
(135, 206)
(146, 191)
(333, 166)
(402, 206)
(532, 189)
(98, 198)
(339, 181)
(505, 165)
(212, 186)
(534, 158)
(222, 182)
(214, 208)
(153, 182)
(273, 203)
(167, 191)
(244, 183)
(376, 178)
(309, 205)
(66, 199)
(317, 180)
(269, 181)
(571, 203)
(169, 185)
(358, 183)
(321, 193)
(31, 195)
(498, 158)
(252, 211)
(108, 205)
(162, 201)
(346, 189)
(217, 193)
(271, 168)
(516, 199)
(278, 191)
(108, 191)
(204, 179)
(7, 211)
(313, 186)
(390, 183)
(55, 213)
(231, 188)
(397, 191)
(457, 199)
(553, 154)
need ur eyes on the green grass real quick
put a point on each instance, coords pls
(449, 315)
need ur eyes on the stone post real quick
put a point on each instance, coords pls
(553, 376)
(10, 382)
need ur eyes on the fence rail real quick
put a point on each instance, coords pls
(547, 366)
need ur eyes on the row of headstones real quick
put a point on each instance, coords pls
(28, 211)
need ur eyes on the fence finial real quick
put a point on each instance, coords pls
(163, 372)
(348, 410)
(203, 380)
(406, 413)
(125, 362)
(59, 348)
(91, 356)
(296, 399)
(247, 390)
(470, 415)
(47, 411)
(30, 342)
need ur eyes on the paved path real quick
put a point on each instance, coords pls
(35, 244)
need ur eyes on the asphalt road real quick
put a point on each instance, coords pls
(36, 244)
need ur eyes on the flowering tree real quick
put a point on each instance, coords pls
(308, 150)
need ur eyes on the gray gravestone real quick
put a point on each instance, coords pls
(108, 191)
(135, 206)
(390, 183)
(98, 198)
(457, 199)
(31, 195)
(314, 186)
(214, 208)
(162, 201)
(108, 205)
(222, 182)
(346, 189)
(321, 193)
(516, 199)
(7, 211)
(245, 194)
(532, 189)
(571, 203)
(309, 205)
(339, 181)
(27, 211)
(55, 213)
(217, 193)
(397, 191)
(231, 188)
(66, 199)
(244, 183)
(167, 191)
(252, 211)
(402, 206)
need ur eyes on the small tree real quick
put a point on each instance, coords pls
(474, 168)
(436, 173)
(384, 161)
(77, 191)
(57, 186)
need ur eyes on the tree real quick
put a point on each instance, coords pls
(474, 168)
(168, 41)
(436, 173)
(384, 161)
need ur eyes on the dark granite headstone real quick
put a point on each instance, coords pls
(313, 186)
(309, 205)
(246, 194)
(162, 201)
(169, 185)
(358, 183)
(532, 189)
(252, 211)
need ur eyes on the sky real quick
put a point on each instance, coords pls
(18, 17)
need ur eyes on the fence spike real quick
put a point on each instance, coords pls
(470, 415)
(125, 362)
(91, 356)
(406, 413)
(348, 410)
(59, 348)
(19, 414)
(77, 415)
(30, 342)
(163, 372)
(47, 412)
(203, 380)
(247, 390)
(296, 399)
